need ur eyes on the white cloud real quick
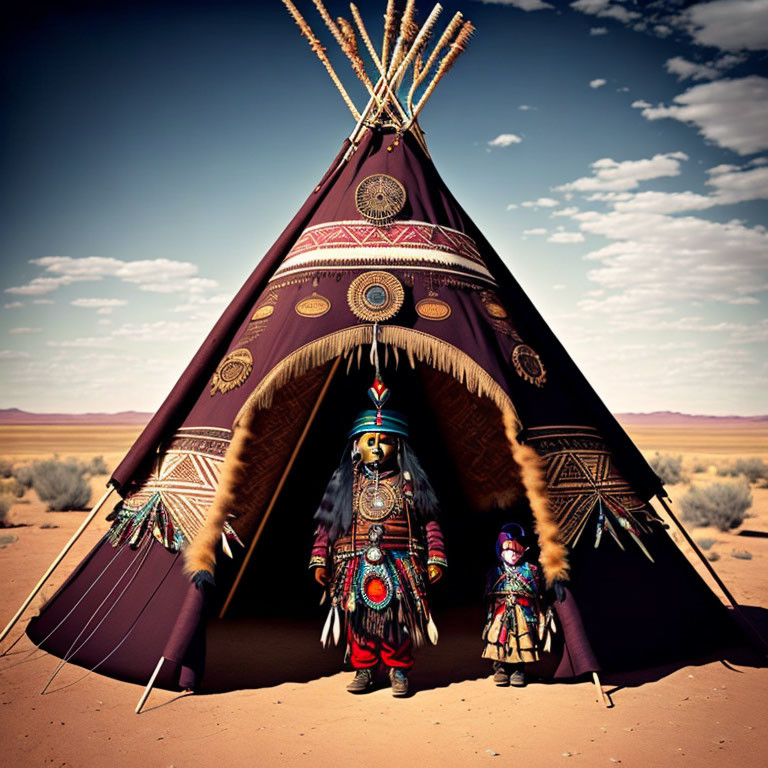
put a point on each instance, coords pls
(535, 231)
(87, 342)
(13, 305)
(155, 275)
(605, 9)
(598, 31)
(559, 287)
(598, 82)
(505, 140)
(566, 237)
(708, 71)
(99, 303)
(24, 331)
(526, 108)
(511, 207)
(731, 25)
(731, 113)
(730, 185)
(542, 202)
(565, 211)
(640, 104)
(685, 69)
(523, 5)
(610, 175)
(41, 285)
(657, 260)
(13, 354)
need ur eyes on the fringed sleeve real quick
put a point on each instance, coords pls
(435, 544)
(319, 556)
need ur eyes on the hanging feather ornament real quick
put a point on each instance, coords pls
(336, 625)
(432, 631)
(326, 629)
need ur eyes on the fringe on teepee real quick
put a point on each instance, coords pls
(552, 553)
(417, 345)
(200, 555)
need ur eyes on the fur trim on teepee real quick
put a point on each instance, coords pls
(552, 553)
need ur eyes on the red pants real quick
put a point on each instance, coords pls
(369, 651)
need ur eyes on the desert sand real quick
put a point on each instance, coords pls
(710, 712)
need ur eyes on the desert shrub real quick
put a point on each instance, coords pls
(699, 466)
(98, 466)
(23, 474)
(706, 543)
(669, 468)
(12, 487)
(741, 554)
(752, 468)
(61, 483)
(6, 467)
(712, 556)
(723, 505)
(6, 501)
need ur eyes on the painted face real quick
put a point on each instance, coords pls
(378, 447)
(511, 551)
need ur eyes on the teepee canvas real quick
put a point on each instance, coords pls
(381, 267)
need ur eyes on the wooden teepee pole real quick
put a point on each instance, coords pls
(746, 623)
(315, 45)
(281, 483)
(150, 685)
(52, 567)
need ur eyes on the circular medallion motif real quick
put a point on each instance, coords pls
(377, 587)
(377, 503)
(379, 198)
(375, 296)
(312, 306)
(433, 309)
(493, 306)
(232, 371)
(263, 312)
(528, 365)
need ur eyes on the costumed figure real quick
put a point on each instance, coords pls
(376, 545)
(517, 627)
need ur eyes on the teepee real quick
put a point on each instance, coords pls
(380, 266)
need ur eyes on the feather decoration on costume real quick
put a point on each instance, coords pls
(336, 625)
(326, 629)
(432, 631)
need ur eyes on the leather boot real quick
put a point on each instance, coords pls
(399, 681)
(362, 681)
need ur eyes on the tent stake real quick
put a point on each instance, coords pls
(600, 694)
(56, 562)
(746, 623)
(148, 689)
(280, 485)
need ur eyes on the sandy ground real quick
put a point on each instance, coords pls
(707, 714)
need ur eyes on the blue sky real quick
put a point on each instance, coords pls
(615, 154)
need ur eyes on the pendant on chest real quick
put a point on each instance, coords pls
(378, 500)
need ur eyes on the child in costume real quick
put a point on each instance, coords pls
(516, 622)
(376, 545)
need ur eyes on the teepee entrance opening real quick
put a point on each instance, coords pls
(461, 442)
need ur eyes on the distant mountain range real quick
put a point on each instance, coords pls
(17, 416)
(140, 418)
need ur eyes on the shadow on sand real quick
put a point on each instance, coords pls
(258, 653)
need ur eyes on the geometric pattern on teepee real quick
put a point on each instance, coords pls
(581, 477)
(409, 244)
(185, 476)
